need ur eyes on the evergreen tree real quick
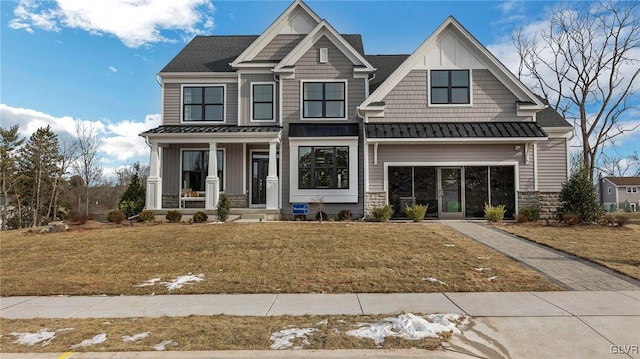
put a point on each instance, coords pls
(9, 143)
(578, 196)
(132, 200)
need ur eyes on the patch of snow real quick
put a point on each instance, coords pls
(323, 322)
(148, 283)
(135, 338)
(481, 269)
(434, 280)
(283, 339)
(183, 280)
(100, 338)
(491, 279)
(449, 245)
(163, 344)
(409, 326)
(43, 336)
(483, 257)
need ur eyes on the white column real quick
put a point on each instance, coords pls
(272, 176)
(212, 182)
(153, 198)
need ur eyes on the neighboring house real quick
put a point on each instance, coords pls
(620, 193)
(301, 114)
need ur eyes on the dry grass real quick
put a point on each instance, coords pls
(617, 248)
(198, 333)
(257, 258)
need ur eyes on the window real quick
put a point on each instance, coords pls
(203, 103)
(323, 167)
(195, 168)
(323, 99)
(609, 190)
(450, 87)
(634, 190)
(262, 95)
(628, 189)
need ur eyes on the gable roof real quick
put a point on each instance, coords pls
(624, 181)
(385, 65)
(493, 64)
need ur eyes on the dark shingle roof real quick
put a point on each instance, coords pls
(550, 117)
(455, 130)
(385, 65)
(625, 181)
(323, 130)
(210, 129)
(214, 53)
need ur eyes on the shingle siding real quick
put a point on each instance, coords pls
(552, 164)
(279, 47)
(172, 111)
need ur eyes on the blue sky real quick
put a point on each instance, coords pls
(96, 61)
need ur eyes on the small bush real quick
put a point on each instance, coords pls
(416, 212)
(571, 219)
(116, 216)
(344, 215)
(578, 196)
(382, 214)
(79, 218)
(224, 207)
(532, 214)
(322, 214)
(147, 216)
(494, 213)
(174, 216)
(522, 218)
(200, 217)
(622, 221)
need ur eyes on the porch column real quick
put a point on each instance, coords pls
(212, 182)
(153, 199)
(272, 176)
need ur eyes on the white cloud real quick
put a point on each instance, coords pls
(511, 6)
(123, 141)
(113, 69)
(134, 22)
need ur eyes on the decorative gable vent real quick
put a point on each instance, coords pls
(324, 55)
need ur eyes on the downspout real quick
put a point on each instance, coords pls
(278, 79)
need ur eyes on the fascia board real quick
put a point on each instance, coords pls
(191, 75)
(210, 137)
(427, 141)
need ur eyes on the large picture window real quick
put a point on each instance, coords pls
(323, 99)
(450, 87)
(195, 168)
(262, 95)
(203, 103)
(323, 167)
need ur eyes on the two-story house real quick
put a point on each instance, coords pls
(620, 193)
(300, 114)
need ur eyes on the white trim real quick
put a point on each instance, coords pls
(535, 165)
(346, 101)
(224, 165)
(449, 105)
(203, 85)
(189, 138)
(273, 101)
(334, 195)
(454, 140)
(197, 77)
(365, 156)
(244, 168)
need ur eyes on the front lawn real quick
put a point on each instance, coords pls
(273, 257)
(617, 248)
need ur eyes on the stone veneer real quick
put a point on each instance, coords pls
(546, 202)
(238, 200)
(172, 201)
(373, 200)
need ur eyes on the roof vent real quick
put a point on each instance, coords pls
(324, 55)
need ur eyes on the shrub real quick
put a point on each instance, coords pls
(532, 214)
(174, 216)
(322, 215)
(622, 221)
(344, 215)
(224, 207)
(494, 213)
(200, 217)
(571, 219)
(578, 196)
(79, 218)
(132, 200)
(116, 216)
(522, 218)
(416, 212)
(146, 216)
(382, 214)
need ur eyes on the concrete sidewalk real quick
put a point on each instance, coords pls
(502, 325)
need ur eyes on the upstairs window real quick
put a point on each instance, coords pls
(450, 87)
(323, 100)
(262, 95)
(203, 104)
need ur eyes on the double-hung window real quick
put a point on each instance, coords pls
(195, 169)
(323, 167)
(203, 103)
(450, 87)
(323, 99)
(262, 95)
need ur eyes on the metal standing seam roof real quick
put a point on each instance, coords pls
(472, 130)
(192, 129)
(323, 130)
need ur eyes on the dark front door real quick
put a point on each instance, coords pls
(259, 171)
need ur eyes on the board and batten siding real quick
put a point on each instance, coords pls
(468, 154)
(552, 164)
(245, 98)
(172, 100)
(279, 47)
(408, 101)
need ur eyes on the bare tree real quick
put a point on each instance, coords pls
(586, 65)
(619, 166)
(87, 164)
(10, 141)
(68, 154)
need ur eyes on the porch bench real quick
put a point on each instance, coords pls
(190, 196)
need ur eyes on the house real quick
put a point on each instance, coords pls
(620, 193)
(301, 114)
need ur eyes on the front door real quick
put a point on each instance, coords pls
(259, 171)
(450, 193)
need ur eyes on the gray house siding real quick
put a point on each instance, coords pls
(245, 98)
(468, 154)
(552, 164)
(279, 47)
(171, 104)
(408, 101)
(606, 196)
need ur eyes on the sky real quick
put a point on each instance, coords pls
(65, 61)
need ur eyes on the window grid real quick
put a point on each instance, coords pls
(450, 87)
(262, 102)
(195, 169)
(323, 99)
(203, 103)
(323, 167)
